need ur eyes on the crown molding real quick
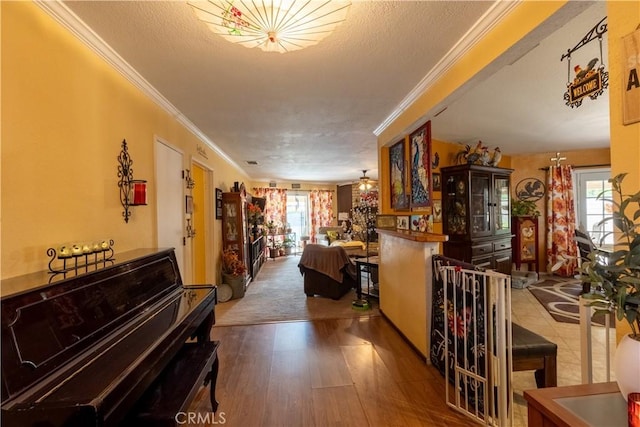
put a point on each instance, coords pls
(486, 23)
(69, 20)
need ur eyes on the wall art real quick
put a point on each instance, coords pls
(397, 174)
(420, 166)
(402, 222)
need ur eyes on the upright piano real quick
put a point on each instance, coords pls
(84, 348)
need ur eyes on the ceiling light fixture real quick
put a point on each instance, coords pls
(365, 183)
(272, 25)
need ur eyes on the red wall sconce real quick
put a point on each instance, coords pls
(133, 192)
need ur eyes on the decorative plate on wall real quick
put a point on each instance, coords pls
(530, 189)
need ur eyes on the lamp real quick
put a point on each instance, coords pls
(365, 183)
(272, 25)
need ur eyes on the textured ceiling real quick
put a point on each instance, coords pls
(309, 115)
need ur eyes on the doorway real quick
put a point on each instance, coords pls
(170, 202)
(298, 214)
(590, 210)
(201, 220)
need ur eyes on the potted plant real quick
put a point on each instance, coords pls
(615, 279)
(524, 208)
(233, 272)
(288, 244)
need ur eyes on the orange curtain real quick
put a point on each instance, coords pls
(275, 208)
(562, 250)
(321, 211)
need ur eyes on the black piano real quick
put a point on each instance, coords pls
(92, 349)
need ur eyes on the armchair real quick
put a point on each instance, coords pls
(327, 271)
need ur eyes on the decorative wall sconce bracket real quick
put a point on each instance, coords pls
(186, 174)
(133, 192)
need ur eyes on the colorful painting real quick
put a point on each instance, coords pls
(420, 141)
(399, 196)
(422, 223)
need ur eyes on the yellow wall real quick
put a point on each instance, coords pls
(65, 113)
(623, 18)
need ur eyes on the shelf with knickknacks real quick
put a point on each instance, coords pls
(478, 155)
(256, 219)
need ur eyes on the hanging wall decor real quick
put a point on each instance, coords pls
(631, 78)
(420, 166)
(133, 192)
(589, 78)
(397, 165)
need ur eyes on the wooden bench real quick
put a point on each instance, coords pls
(531, 351)
(175, 388)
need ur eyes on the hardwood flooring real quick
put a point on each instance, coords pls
(334, 372)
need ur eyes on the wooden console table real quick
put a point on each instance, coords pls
(582, 405)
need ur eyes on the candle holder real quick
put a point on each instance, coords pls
(133, 192)
(633, 402)
(79, 258)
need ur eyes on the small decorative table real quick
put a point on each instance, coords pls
(582, 405)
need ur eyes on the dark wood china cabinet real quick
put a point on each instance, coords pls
(476, 215)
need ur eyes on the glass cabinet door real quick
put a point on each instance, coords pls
(479, 205)
(231, 222)
(456, 205)
(502, 213)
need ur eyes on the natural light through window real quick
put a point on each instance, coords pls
(597, 210)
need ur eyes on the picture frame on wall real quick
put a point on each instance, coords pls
(422, 223)
(402, 222)
(420, 166)
(437, 211)
(386, 221)
(436, 180)
(218, 203)
(397, 176)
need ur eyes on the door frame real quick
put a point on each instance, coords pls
(209, 221)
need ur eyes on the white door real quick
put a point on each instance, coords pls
(170, 199)
(589, 209)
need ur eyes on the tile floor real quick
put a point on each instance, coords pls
(528, 312)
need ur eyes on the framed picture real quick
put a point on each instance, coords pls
(218, 203)
(420, 166)
(402, 222)
(397, 174)
(422, 223)
(437, 182)
(188, 204)
(386, 221)
(437, 211)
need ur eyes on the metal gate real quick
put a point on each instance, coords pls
(477, 306)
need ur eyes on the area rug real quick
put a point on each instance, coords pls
(278, 295)
(560, 297)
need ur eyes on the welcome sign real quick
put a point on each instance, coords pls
(631, 76)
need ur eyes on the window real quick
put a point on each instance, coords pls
(298, 213)
(590, 210)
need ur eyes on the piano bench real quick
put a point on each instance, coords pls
(531, 351)
(195, 365)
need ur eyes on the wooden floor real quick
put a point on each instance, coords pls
(342, 372)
